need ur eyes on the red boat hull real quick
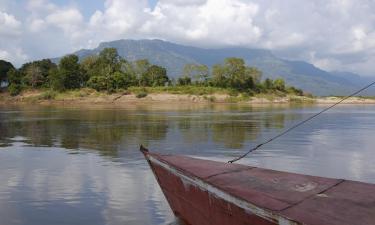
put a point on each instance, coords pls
(203, 192)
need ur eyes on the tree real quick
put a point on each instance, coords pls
(268, 84)
(122, 80)
(219, 78)
(279, 84)
(56, 80)
(109, 61)
(255, 73)
(4, 68)
(197, 73)
(233, 73)
(140, 68)
(184, 80)
(294, 90)
(15, 81)
(89, 66)
(70, 72)
(155, 76)
(99, 83)
(35, 74)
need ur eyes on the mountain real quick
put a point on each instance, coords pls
(174, 57)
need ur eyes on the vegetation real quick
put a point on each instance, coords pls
(111, 73)
(4, 68)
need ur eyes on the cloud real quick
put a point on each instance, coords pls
(200, 23)
(118, 20)
(10, 34)
(70, 21)
(13, 54)
(333, 34)
(9, 26)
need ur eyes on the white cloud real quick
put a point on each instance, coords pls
(14, 55)
(211, 22)
(40, 6)
(37, 25)
(119, 19)
(9, 25)
(68, 20)
(340, 32)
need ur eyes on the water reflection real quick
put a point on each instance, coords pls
(109, 131)
(64, 165)
(61, 188)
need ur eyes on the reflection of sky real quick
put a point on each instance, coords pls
(43, 185)
(89, 170)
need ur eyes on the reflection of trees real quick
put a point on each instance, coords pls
(276, 120)
(233, 134)
(104, 130)
(110, 131)
(232, 131)
(193, 130)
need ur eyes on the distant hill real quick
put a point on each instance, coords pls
(174, 57)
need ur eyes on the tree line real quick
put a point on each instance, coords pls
(110, 72)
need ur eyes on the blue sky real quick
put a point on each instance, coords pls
(331, 34)
(88, 7)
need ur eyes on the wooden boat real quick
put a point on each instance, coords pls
(204, 192)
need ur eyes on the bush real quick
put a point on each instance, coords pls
(99, 83)
(48, 95)
(295, 91)
(279, 84)
(14, 89)
(233, 92)
(183, 81)
(141, 95)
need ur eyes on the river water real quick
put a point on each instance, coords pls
(70, 165)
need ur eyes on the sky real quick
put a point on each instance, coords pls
(331, 34)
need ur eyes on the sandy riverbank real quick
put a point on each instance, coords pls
(93, 97)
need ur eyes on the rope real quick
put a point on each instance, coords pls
(300, 123)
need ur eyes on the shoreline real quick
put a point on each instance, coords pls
(93, 97)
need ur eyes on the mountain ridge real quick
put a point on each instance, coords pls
(174, 56)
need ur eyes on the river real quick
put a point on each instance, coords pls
(71, 165)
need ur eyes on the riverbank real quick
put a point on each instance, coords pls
(90, 96)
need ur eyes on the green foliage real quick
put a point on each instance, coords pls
(123, 80)
(15, 81)
(56, 80)
(141, 95)
(48, 95)
(294, 91)
(219, 78)
(36, 74)
(4, 68)
(70, 71)
(279, 84)
(90, 67)
(109, 72)
(154, 76)
(109, 60)
(268, 84)
(233, 73)
(183, 81)
(98, 83)
(198, 74)
(14, 89)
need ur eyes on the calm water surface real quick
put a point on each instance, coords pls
(65, 165)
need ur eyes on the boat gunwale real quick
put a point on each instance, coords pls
(267, 214)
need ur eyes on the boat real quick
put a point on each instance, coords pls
(205, 192)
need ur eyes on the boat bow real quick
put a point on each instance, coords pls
(207, 192)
